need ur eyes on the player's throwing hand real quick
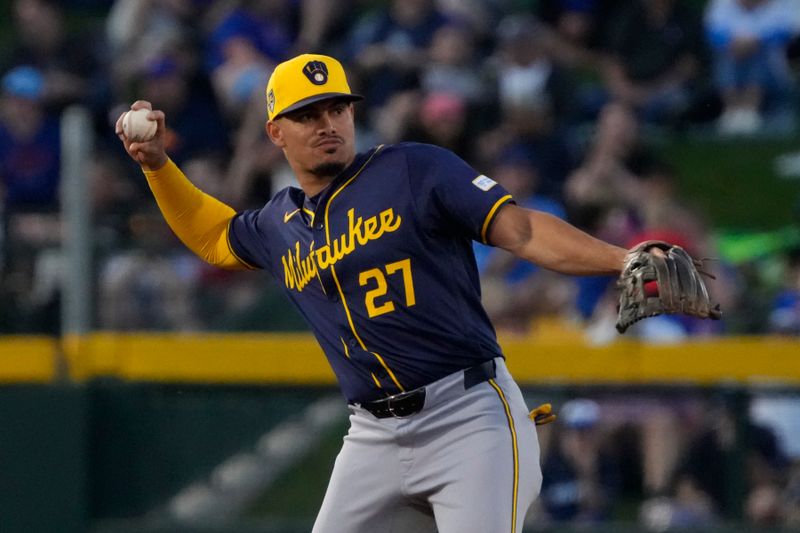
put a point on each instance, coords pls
(151, 155)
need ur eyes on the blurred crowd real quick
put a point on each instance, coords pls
(683, 461)
(558, 100)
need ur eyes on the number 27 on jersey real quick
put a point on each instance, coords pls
(381, 286)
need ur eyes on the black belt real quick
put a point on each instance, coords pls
(411, 402)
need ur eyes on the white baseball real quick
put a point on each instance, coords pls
(137, 127)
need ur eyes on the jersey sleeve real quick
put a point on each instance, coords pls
(249, 238)
(452, 195)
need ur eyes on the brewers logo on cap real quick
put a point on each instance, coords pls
(316, 72)
(303, 80)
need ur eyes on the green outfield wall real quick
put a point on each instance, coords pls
(74, 455)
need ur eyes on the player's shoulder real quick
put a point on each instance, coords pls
(421, 156)
(288, 195)
(416, 149)
(286, 199)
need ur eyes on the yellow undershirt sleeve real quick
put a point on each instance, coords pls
(199, 220)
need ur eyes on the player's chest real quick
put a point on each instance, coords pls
(357, 228)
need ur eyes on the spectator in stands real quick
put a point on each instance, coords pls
(581, 480)
(442, 120)
(791, 497)
(688, 508)
(528, 75)
(748, 40)
(115, 195)
(251, 37)
(662, 215)
(724, 446)
(533, 96)
(602, 197)
(452, 67)
(763, 507)
(263, 25)
(68, 61)
(146, 288)
(30, 155)
(515, 292)
(244, 47)
(777, 501)
(29, 143)
(655, 58)
(585, 26)
(147, 28)
(243, 72)
(139, 32)
(575, 20)
(324, 24)
(531, 130)
(481, 16)
(389, 48)
(660, 208)
(255, 162)
(610, 174)
(197, 127)
(784, 317)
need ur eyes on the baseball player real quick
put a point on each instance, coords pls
(375, 251)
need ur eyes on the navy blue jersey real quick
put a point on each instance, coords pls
(381, 265)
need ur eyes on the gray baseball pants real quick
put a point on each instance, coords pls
(467, 462)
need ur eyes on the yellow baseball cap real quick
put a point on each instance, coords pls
(303, 80)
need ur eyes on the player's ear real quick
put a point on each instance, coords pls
(275, 134)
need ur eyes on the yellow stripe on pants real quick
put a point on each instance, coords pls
(502, 396)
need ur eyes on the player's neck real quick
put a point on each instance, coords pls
(313, 182)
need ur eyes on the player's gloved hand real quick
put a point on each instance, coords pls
(661, 278)
(543, 414)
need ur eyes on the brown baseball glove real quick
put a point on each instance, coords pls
(661, 278)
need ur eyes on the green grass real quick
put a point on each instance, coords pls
(734, 181)
(298, 493)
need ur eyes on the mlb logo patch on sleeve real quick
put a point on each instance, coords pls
(484, 183)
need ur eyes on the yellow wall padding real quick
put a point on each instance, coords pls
(295, 358)
(27, 359)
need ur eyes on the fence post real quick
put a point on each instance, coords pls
(77, 140)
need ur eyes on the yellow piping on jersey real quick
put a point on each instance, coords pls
(316, 272)
(497, 388)
(490, 216)
(287, 216)
(325, 292)
(336, 278)
(233, 252)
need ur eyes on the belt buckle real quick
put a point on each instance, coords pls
(408, 395)
(389, 405)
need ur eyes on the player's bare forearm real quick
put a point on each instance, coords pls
(553, 244)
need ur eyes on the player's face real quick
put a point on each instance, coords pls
(318, 139)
